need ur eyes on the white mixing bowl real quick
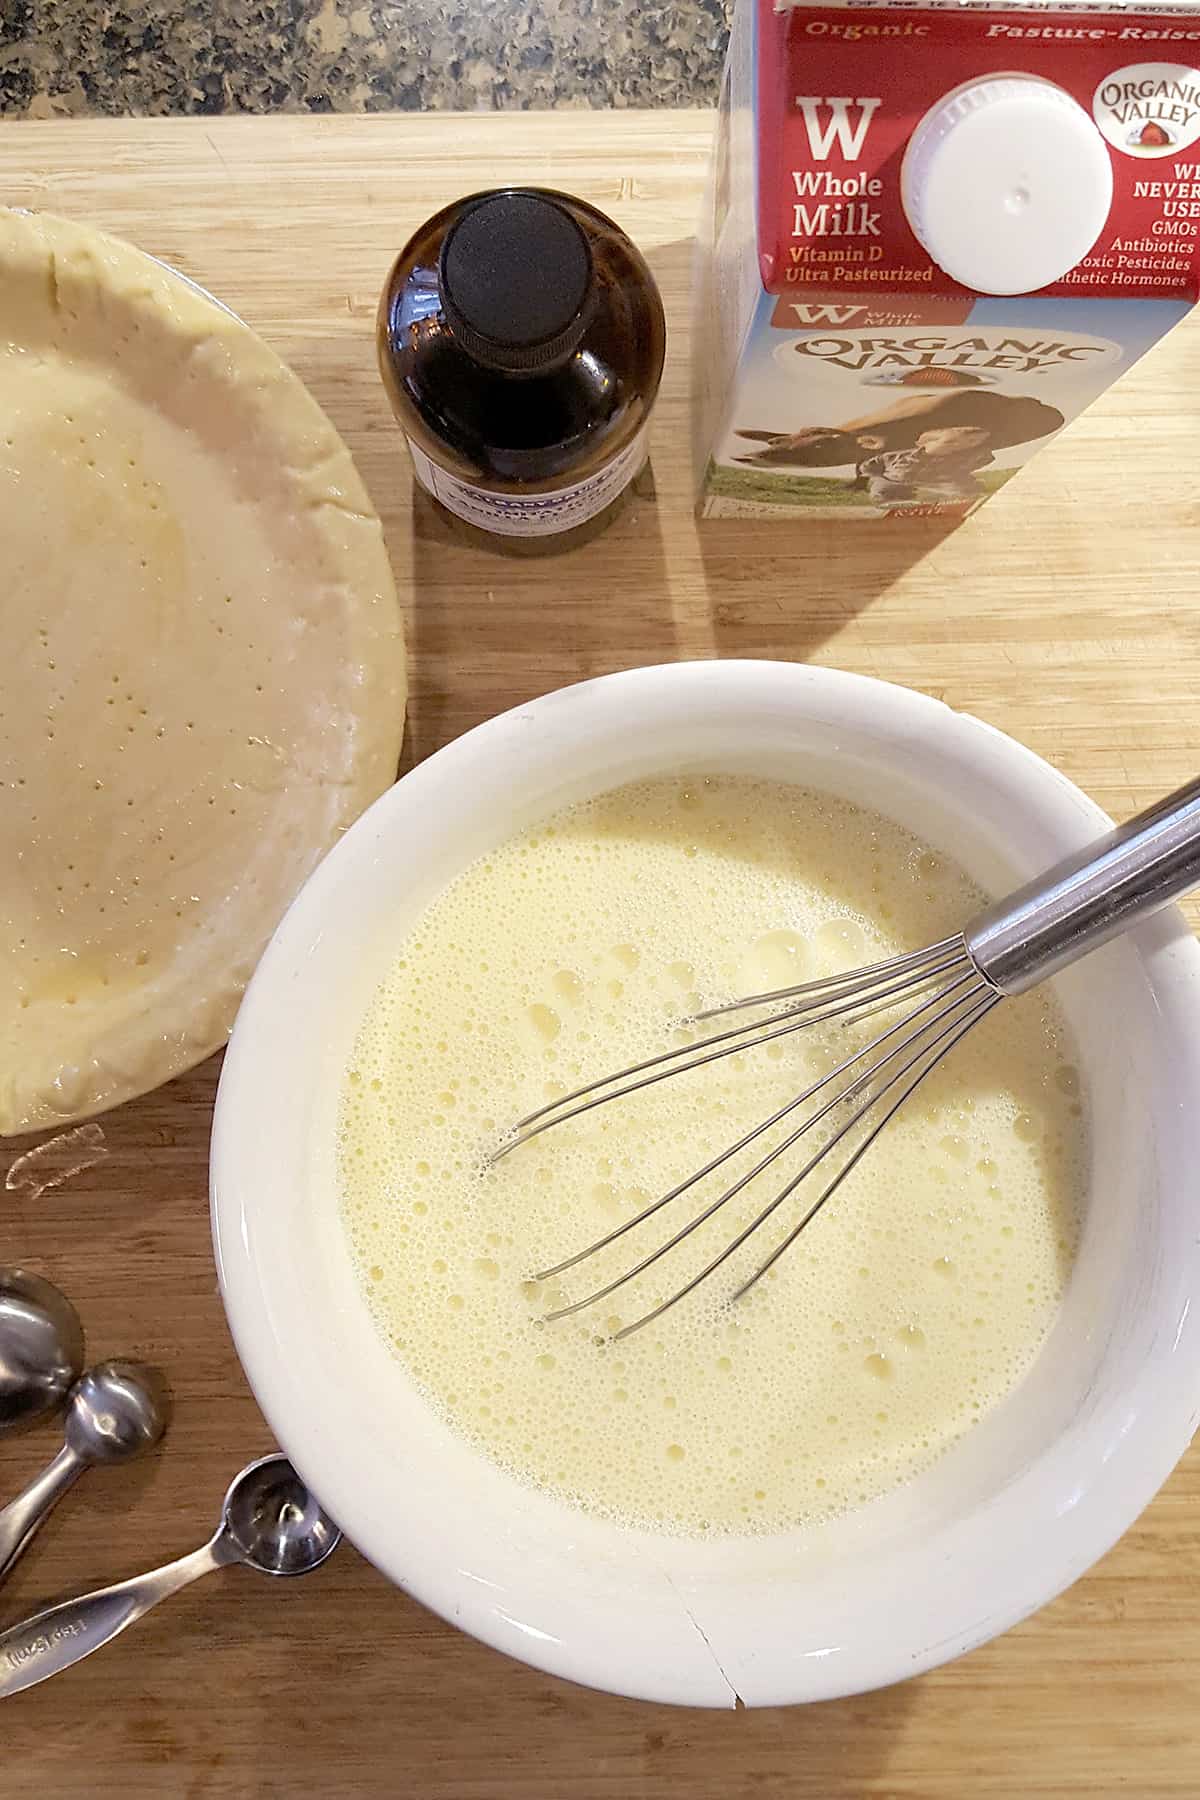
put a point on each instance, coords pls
(1009, 1517)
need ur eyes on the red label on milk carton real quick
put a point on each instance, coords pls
(830, 153)
(936, 237)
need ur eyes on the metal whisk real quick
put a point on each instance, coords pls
(1009, 947)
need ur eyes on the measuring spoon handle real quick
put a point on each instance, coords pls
(21, 1518)
(61, 1635)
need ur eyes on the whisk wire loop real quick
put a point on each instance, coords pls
(955, 1015)
(732, 1150)
(1091, 896)
(867, 991)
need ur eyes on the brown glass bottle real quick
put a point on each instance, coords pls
(521, 341)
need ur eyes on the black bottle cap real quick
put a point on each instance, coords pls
(516, 281)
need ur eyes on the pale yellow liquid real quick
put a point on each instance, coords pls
(913, 1302)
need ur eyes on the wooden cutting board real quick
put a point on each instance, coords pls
(1067, 612)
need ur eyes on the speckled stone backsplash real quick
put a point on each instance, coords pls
(214, 56)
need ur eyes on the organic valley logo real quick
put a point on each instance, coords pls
(951, 359)
(1149, 109)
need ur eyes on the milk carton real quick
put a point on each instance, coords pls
(934, 234)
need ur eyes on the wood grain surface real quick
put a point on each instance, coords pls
(1065, 612)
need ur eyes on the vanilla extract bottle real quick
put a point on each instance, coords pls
(521, 339)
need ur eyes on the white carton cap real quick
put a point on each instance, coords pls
(1007, 183)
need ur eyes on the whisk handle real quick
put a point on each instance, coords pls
(1091, 896)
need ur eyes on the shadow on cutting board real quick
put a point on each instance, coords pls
(783, 588)
(488, 631)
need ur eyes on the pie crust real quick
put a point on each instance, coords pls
(202, 668)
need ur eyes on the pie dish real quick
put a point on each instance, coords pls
(203, 672)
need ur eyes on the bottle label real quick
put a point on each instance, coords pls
(532, 515)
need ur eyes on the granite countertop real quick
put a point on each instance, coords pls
(215, 56)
